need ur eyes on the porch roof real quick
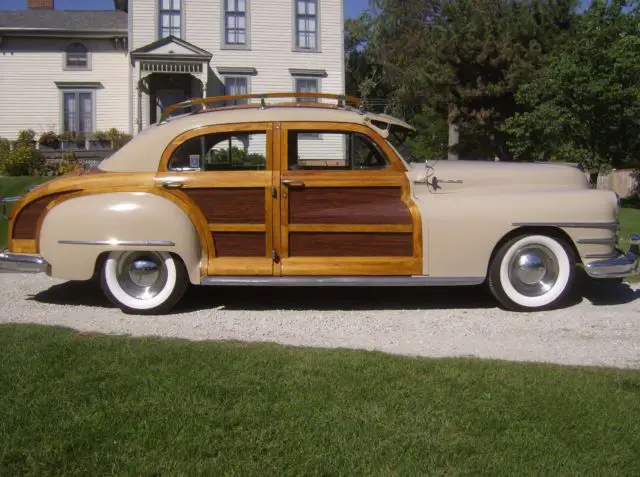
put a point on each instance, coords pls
(171, 49)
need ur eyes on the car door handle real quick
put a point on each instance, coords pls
(173, 185)
(293, 183)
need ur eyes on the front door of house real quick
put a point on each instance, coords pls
(164, 99)
(345, 204)
(224, 175)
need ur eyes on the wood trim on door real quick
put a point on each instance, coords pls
(236, 206)
(397, 230)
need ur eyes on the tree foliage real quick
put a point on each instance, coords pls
(585, 105)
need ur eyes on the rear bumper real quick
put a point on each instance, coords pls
(21, 263)
(624, 265)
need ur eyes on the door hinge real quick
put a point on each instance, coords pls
(274, 256)
(274, 192)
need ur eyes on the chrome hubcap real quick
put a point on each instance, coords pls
(141, 275)
(533, 270)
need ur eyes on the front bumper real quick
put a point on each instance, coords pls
(624, 265)
(21, 263)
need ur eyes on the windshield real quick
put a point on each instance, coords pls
(397, 140)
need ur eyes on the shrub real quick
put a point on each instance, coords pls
(68, 163)
(118, 139)
(23, 161)
(26, 137)
(49, 139)
(5, 149)
(100, 136)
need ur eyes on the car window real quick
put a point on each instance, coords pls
(229, 151)
(330, 150)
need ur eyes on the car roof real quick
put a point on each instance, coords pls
(143, 152)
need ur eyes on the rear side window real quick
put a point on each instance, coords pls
(229, 151)
(330, 150)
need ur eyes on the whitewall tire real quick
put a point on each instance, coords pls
(140, 282)
(532, 272)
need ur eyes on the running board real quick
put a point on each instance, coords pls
(390, 281)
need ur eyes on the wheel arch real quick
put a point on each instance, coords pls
(549, 231)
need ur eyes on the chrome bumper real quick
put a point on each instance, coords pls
(624, 265)
(21, 263)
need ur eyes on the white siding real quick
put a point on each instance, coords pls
(30, 99)
(271, 52)
(144, 15)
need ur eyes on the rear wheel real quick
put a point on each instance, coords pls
(140, 282)
(533, 272)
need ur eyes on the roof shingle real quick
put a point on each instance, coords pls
(64, 20)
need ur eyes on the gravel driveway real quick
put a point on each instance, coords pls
(603, 329)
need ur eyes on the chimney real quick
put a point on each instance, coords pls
(40, 4)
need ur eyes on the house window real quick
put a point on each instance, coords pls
(77, 112)
(170, 18)
(306, 24)
(77, 56)
(235, 22)
(306, 85)
(236, 86)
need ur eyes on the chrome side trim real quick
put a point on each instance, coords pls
(573, 225)
(21, 263)
(601, 255)
(120, 243)
(598, 241)
(387, 281)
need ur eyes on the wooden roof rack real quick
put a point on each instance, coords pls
(341, 101)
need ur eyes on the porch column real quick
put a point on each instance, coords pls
(138, 80)
(205, 78)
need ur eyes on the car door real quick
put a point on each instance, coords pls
(345, 204)
(223, 175)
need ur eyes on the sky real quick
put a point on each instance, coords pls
(352, 8)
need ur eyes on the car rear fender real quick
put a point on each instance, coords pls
(76, 231)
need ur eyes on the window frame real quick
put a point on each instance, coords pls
(318, 81)
(349, 136)
(162, 11)
(77, 92)
(295, 46)
(224, 45)
(202, 139)
(65, 58)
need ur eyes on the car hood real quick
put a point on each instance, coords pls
(460, 176)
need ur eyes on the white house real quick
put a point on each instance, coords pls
(95, 70)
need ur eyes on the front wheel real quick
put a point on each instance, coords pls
(143, 282)
(532, 272)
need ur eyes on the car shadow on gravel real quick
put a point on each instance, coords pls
(597, 292)
(293, 298)
(609, 292)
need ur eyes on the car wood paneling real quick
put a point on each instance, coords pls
(348, 205)
(335, 244)
(25, 224)
(230, 205)
(240, 244)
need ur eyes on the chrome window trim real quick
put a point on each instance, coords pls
(120, 243)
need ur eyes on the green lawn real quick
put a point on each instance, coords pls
(81, 405)
(13, 186)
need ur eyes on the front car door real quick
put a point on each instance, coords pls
(224, 176)
(345, 202)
